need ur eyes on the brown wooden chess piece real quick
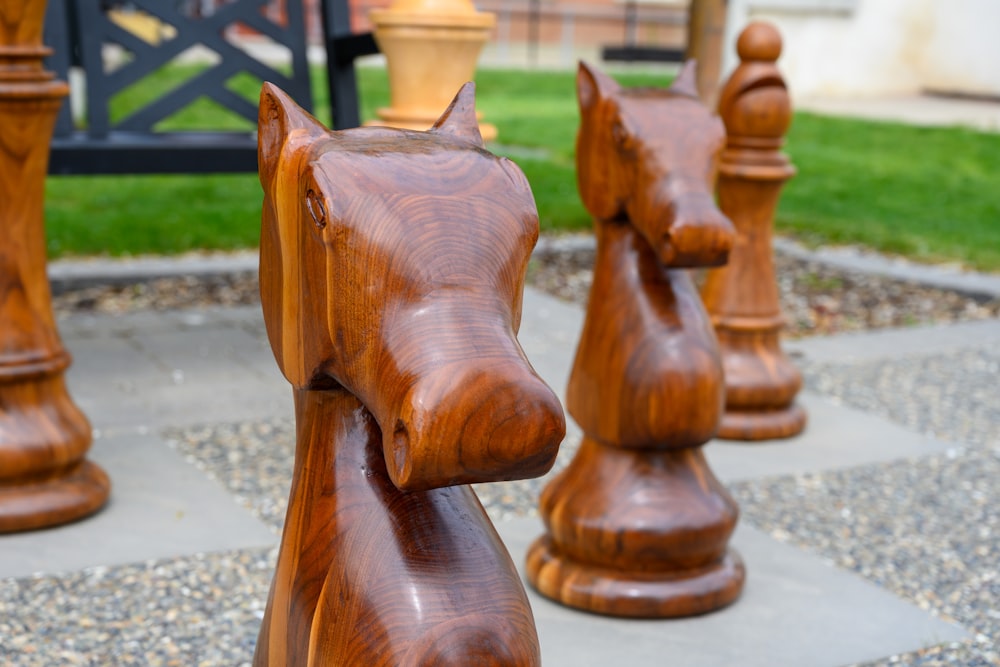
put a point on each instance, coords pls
(44, 437)
(742, 297)
(392, 268)
(637, 524)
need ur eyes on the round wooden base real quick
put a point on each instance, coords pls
(763, 424)
(53, 501)
(606, 591)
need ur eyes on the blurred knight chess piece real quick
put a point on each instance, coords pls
(637, 525)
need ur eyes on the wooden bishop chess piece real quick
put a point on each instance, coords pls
(392, 267)
(45, 479)
(637, 524)
(742, 297)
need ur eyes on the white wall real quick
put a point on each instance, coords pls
(858, 48)
(962, 49)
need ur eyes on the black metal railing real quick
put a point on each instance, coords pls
(109, 59)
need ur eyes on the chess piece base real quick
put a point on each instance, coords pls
(762, 425)
(634, 594)
(64, 498)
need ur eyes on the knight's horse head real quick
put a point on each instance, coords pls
(650, 155)
(392, 266)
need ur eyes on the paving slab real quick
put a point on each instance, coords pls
(836, 436)
(795, 611)
(187, 367)
(890, 344)
(160, 507)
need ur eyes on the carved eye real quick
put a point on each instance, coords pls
(314, 204)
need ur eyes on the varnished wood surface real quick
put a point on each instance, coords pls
(392, 268)
(371, 575)
(742, 297)
(646, 372)
(44, 437)
(69, 494)
(637, 525)
(614, 528)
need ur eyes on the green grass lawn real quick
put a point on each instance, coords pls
(929, 194)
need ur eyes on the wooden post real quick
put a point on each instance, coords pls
(44, 479)
(706, 30)
(742, 297)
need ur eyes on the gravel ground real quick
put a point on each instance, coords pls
(816, 299)
(190, 611)
(927, 530)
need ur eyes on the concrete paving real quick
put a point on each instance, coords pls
(138, 374)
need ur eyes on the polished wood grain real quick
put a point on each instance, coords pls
(742, 297)
(392, 269)
(637, 525)
(44, 437)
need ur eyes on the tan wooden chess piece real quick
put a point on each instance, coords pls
(392, 267)
(45, 479)
(637, 525)
(431, 48)
(742, 297)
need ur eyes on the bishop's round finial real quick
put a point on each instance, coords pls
(755, 102)
(759, 41)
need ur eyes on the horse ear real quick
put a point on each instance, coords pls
(592, 85)
(459, 119)
(278, 116)
(686, 82)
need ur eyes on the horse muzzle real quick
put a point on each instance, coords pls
(698, 233)
(457, 400)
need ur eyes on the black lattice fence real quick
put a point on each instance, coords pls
(145, 63)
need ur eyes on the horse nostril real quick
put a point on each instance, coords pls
(469, 422)
(698, 237)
